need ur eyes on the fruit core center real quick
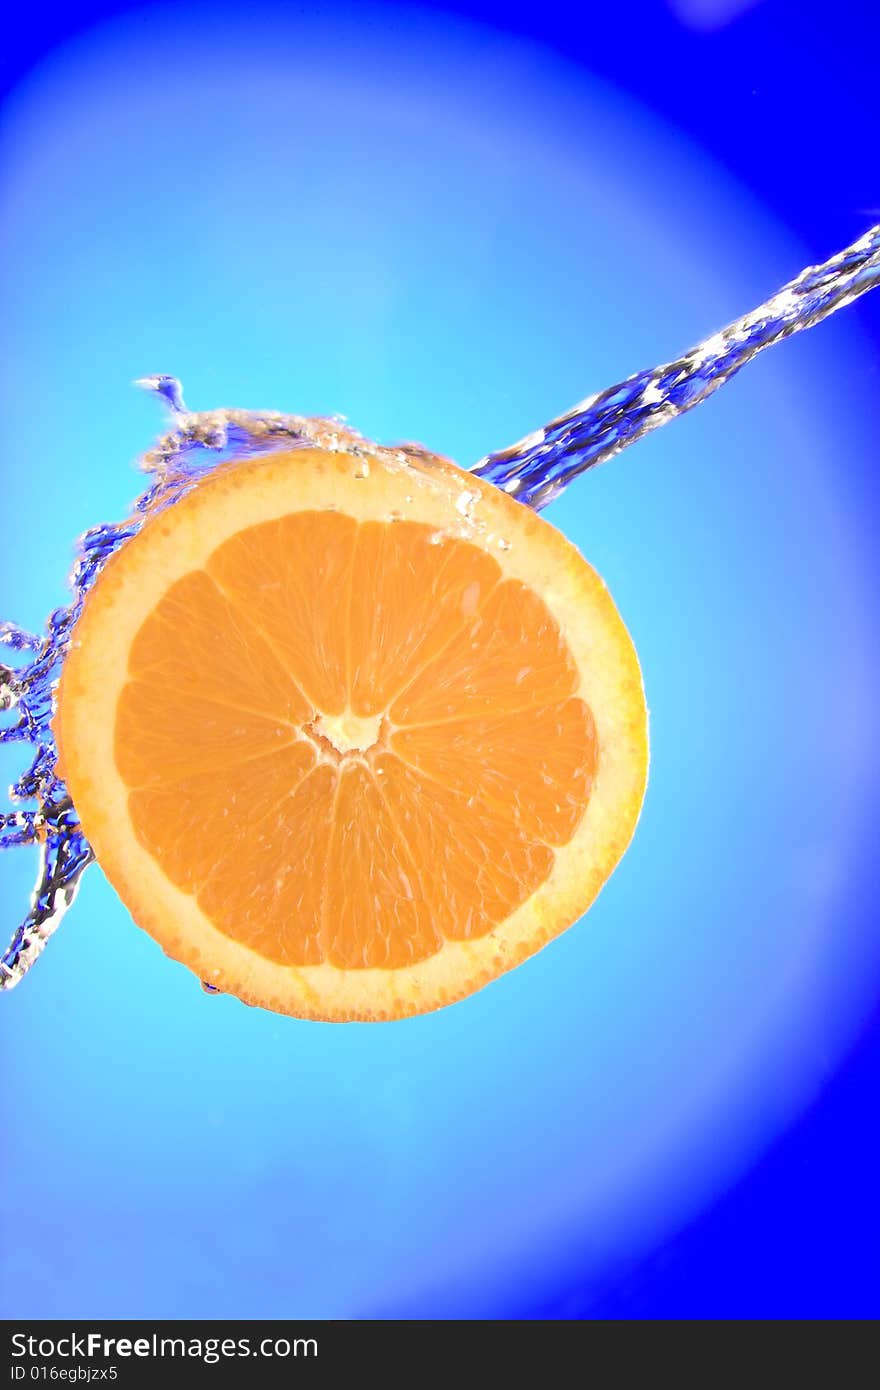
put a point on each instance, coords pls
(349, 732)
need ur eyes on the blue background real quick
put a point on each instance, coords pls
(449, 222)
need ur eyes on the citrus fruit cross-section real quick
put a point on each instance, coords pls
(351, 731)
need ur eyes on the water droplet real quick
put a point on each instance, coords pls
(168, 387)
(465, 501)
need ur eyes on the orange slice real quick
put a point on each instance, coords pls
(352, 732)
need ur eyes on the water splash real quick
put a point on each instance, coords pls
(540, 467)
(535, 471)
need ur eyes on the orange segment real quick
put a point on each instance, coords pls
(374, 913)
(508, 653)
(177, 649)
(533, 768)
(163, 732)
(210, 830)
(474, 866)
(269, 898)
(348, 739)
(411, 593)
(292, 578)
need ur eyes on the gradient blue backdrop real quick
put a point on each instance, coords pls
(449, 224)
